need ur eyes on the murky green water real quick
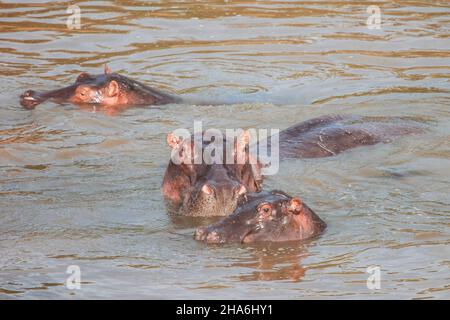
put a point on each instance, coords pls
(82, 188)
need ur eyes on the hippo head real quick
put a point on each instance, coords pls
(87, 89)
(107, 89)
(194, 188)
(265, 216)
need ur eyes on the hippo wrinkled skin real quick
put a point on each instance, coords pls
(265, 217)
(108, 89)
(203, 189)
(216, 189)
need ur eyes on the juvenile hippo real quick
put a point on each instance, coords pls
(216, 189)
(265, 216)
(108, 89)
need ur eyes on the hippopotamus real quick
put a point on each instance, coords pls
(330, 135)
(203, 189)
(217, 189)
(265, 216)
(108, 89)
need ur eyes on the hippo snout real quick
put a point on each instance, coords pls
(202, 234)
(29, 99)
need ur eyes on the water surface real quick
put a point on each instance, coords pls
(82, 188)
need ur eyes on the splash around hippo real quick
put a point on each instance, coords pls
(265, 216)
(107, 89)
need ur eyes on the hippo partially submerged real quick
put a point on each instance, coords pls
(265, 216)
(330, 135)
(216, 189)
(108, 89)
(205, 189)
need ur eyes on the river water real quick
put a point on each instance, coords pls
(82, 188)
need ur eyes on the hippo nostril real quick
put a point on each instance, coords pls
(212, 237)
(28, 99)
(207, 189)
(32, 94)
(28, 95)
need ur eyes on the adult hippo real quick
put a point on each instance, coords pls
(205, 189)
(216, 189)
(330, 135)
(108, 89)
(266, 216)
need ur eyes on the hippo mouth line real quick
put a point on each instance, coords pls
(250, 232)
(213, 237)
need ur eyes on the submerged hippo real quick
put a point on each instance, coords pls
(108, 89)
(216, 189)
(330, 135)
(204, 189)
(265, 216)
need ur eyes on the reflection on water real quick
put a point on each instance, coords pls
(274, 262)
(79, 187)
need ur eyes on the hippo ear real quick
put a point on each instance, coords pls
(295, 205)
(173, 141)
(82, 76)
(240, 147)
(107, 69)
(112, 88)
(183, 150)
(265, 210)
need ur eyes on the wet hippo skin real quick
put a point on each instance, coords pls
(265, 217)
(330, 135)
(186, 188)
(108, 89)
(204, 189)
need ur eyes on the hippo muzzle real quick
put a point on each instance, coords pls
(30, 99)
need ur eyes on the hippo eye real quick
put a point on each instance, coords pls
(264, 208)
(83, 92)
